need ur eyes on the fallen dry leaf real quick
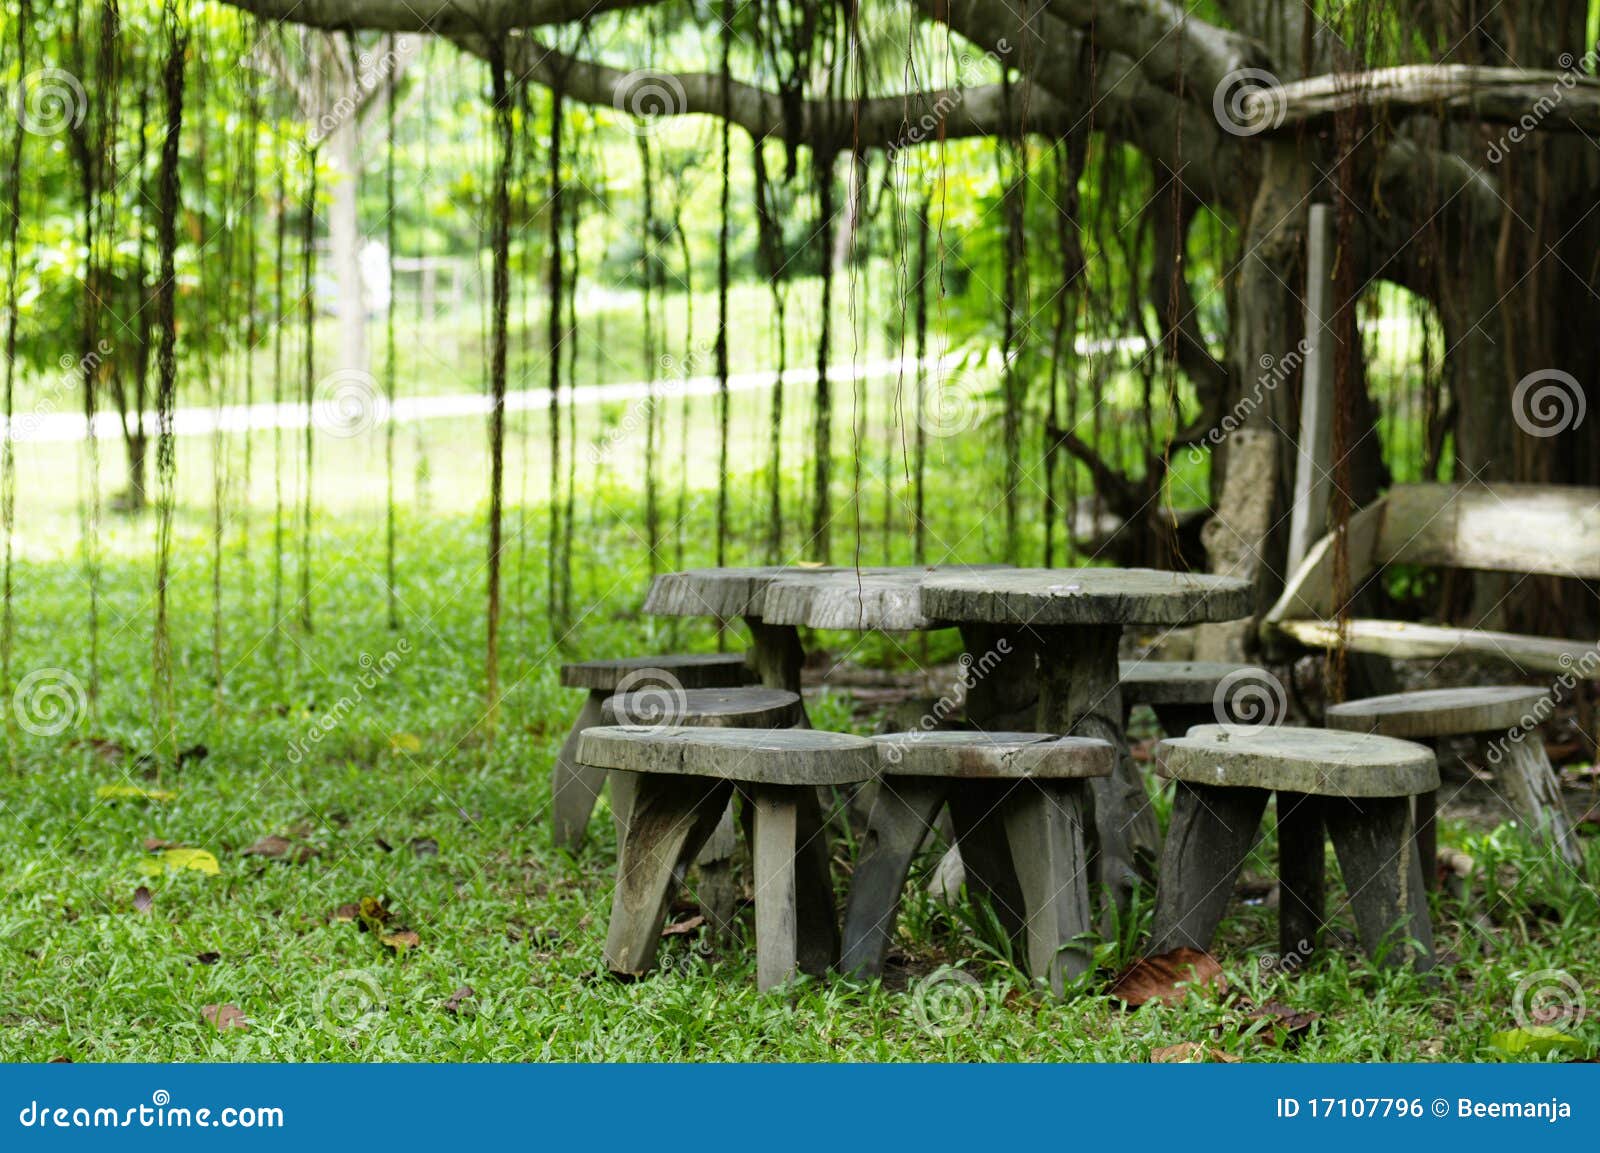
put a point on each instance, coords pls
(227, 1016)
(142, 900)
(680, 927)
(1185, 1051)
(177, 860)
(1285, 1025)
(208, 958)
(425, 846)
(453, 1002)
(350, 912)
(1167, 977)
(155, 844)
(271, 845)
(400, 940)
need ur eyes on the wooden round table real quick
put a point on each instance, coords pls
(1059, 628)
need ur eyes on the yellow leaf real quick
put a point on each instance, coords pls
(176, 860)
(134, 792)
(406, 743)
(401, 941)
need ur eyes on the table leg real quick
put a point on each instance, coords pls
(1080, 694)
(776, 657)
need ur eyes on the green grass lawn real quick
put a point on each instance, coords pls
(406, 803)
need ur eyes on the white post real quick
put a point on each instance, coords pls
(1308, 518)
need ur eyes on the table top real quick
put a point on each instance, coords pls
(1086, 596)
(884, 598)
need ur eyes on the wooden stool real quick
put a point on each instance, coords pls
(1502, 720)
(747, 708)
(1187, 693)
(685, 778)
(1357, 787)
(573, 790)
(1018, 803)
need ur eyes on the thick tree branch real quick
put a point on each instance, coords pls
(1171, 44)
(441, 17)
(1536, 99)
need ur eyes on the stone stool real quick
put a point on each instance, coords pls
(574, 790)
(1501, 719)
(746, 708)
(1018, 803)
(1357, 787)
(1187, 693)
(685, 779)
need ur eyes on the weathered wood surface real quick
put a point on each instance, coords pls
(767, 756)
(575, 786)
(686, 670)
(1302, 877)
(1087, 596)
(776, 656)
(1308, 510)
(751, 708)
(1404, 640)
(1308, 594)
(1208, 840)
(1153, 682)
(1528, 780)
(883, 599)
(795, 925)
(902, 816)
(714, 592)
(1238, 538)
(1044, 828)
(1525, 528)
(1373, 838)
(1322, 762)
(1443, 712)
(979, 755)
(1465, 91)
(671, 819)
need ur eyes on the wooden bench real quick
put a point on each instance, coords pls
(573, 789)
(1515, 528)
(1018, 803)
(1187, 693)
(1503, 720)
(1355, 786)
(685, 779)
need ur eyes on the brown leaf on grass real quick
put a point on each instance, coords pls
(1284, 1024)
(1187, 1051)
(208, 958)
(453, 1002)
(349, 912)
(1167, 977)
(679, 928)
(228, 1016)
(142, 899)
(400, 940)
(425, 846)
(274, 847)
(372, 913)
(59, 1061)
(156, 844)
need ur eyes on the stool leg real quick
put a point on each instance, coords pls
(1425, 814)
(715, 885)
(902, 813)
(1302, 870)
(1378, 859)
(671, 818)
(818, 916)
(977, 817)
(1044, 830)
(776, 831)
(1210, 836)
(574, 788)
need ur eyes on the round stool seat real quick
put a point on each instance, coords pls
(994, 756)
(685, 670)
(1152, 682)
(1299, 760)
(752, 756)
(755, 708)
(1443, 712)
